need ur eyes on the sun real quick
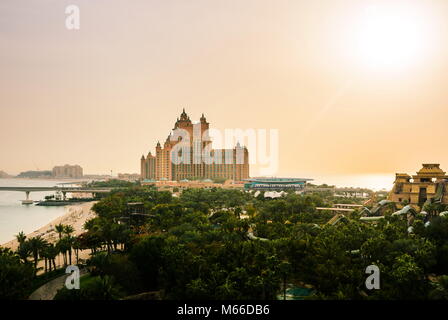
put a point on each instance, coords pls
(390, 38)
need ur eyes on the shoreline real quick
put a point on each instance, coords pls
(46, 178)
(75, 215)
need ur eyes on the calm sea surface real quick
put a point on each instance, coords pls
(374, 182)
(15, 217)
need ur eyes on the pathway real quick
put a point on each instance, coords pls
(48, 291)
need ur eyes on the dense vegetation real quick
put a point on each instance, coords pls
(198, 246)
(112, 183)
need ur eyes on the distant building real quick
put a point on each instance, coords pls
(35, 174)
(429, 185)
(232, 164)
(129, 176)
(99, 177)
(273, 184)
(67, 171)
(4, 175)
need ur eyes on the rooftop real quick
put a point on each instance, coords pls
(431, 168)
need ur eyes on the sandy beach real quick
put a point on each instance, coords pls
(75, 216)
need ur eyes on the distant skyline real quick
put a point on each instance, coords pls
(98, 97)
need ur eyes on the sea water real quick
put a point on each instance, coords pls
(15, 217)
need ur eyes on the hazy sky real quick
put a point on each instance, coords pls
(103, 95)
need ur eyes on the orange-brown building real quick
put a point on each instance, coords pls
(428, 185)
(187, 154)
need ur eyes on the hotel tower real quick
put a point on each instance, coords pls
(187, 154)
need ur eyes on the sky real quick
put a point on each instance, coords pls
(354, 87)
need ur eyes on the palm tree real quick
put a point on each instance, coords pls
(43, 254)
(62, 247)
(120, 234)
(52, 252)
(76, 246)
(21, 237)
(285, 269)
(106, 234)
(49, 253)
(60, 229)
(69, 240)
(89, 240)
(23, 251)
(37, 244)
(68, 230)
(90, 224)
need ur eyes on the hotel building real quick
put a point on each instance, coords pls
(187, 154)
(67, 171)
(429, 185)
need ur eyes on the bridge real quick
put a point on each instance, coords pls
(341, 192)
(342, 207)
(335, 210)
(63, 190)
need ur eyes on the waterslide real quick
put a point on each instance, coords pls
(336, 218)
(251, 236)
(376, 211)
(440, 191)
(371, 218)
(406, 210)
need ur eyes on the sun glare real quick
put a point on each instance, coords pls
(391, 38)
